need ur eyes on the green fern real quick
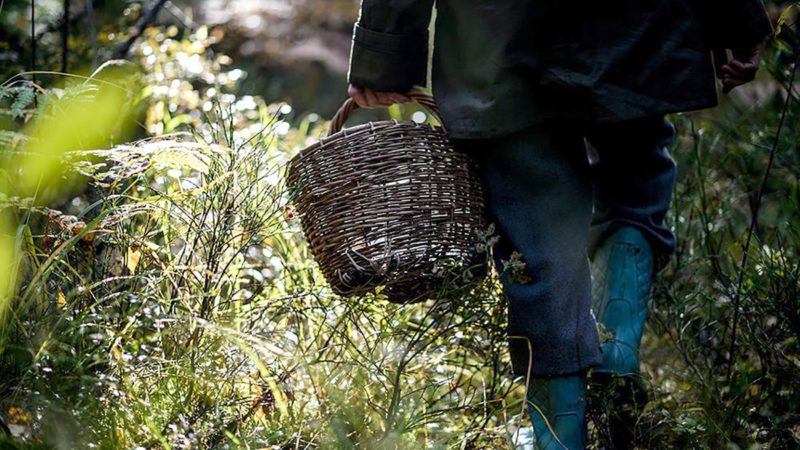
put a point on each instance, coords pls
(25, 97)
(21, 98)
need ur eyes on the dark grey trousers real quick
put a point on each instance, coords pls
(549, 203)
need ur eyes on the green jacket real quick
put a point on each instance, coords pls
(501, 65)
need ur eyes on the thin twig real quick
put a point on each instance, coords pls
(146, 21)
(180, 16)
(65, 38)
(33, 43)
(737, 295)
(92, 31)
(3, 427)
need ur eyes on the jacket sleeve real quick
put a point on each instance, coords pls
(734, 23)
(390, 45)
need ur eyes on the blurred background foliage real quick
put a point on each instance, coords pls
(155, 291)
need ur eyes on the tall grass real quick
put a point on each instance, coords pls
(194, 317)
(178, 308)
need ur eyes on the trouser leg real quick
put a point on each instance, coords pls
(539, 197)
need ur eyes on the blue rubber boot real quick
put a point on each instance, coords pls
(622, 278)
(557, 408)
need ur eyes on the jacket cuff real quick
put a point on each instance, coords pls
(388, 62)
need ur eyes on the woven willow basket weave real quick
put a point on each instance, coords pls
(388, 204)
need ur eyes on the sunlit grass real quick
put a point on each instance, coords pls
(199, 316)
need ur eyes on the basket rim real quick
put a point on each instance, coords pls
(344, 133)
(378, 123)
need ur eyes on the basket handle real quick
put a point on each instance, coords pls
(417, 94)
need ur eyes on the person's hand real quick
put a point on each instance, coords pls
(368, 98)
(739, 70)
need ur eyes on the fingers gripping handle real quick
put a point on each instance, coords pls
(418, 95)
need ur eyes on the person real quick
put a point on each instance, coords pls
(522, 87)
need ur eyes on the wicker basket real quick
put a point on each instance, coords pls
(388, 204)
